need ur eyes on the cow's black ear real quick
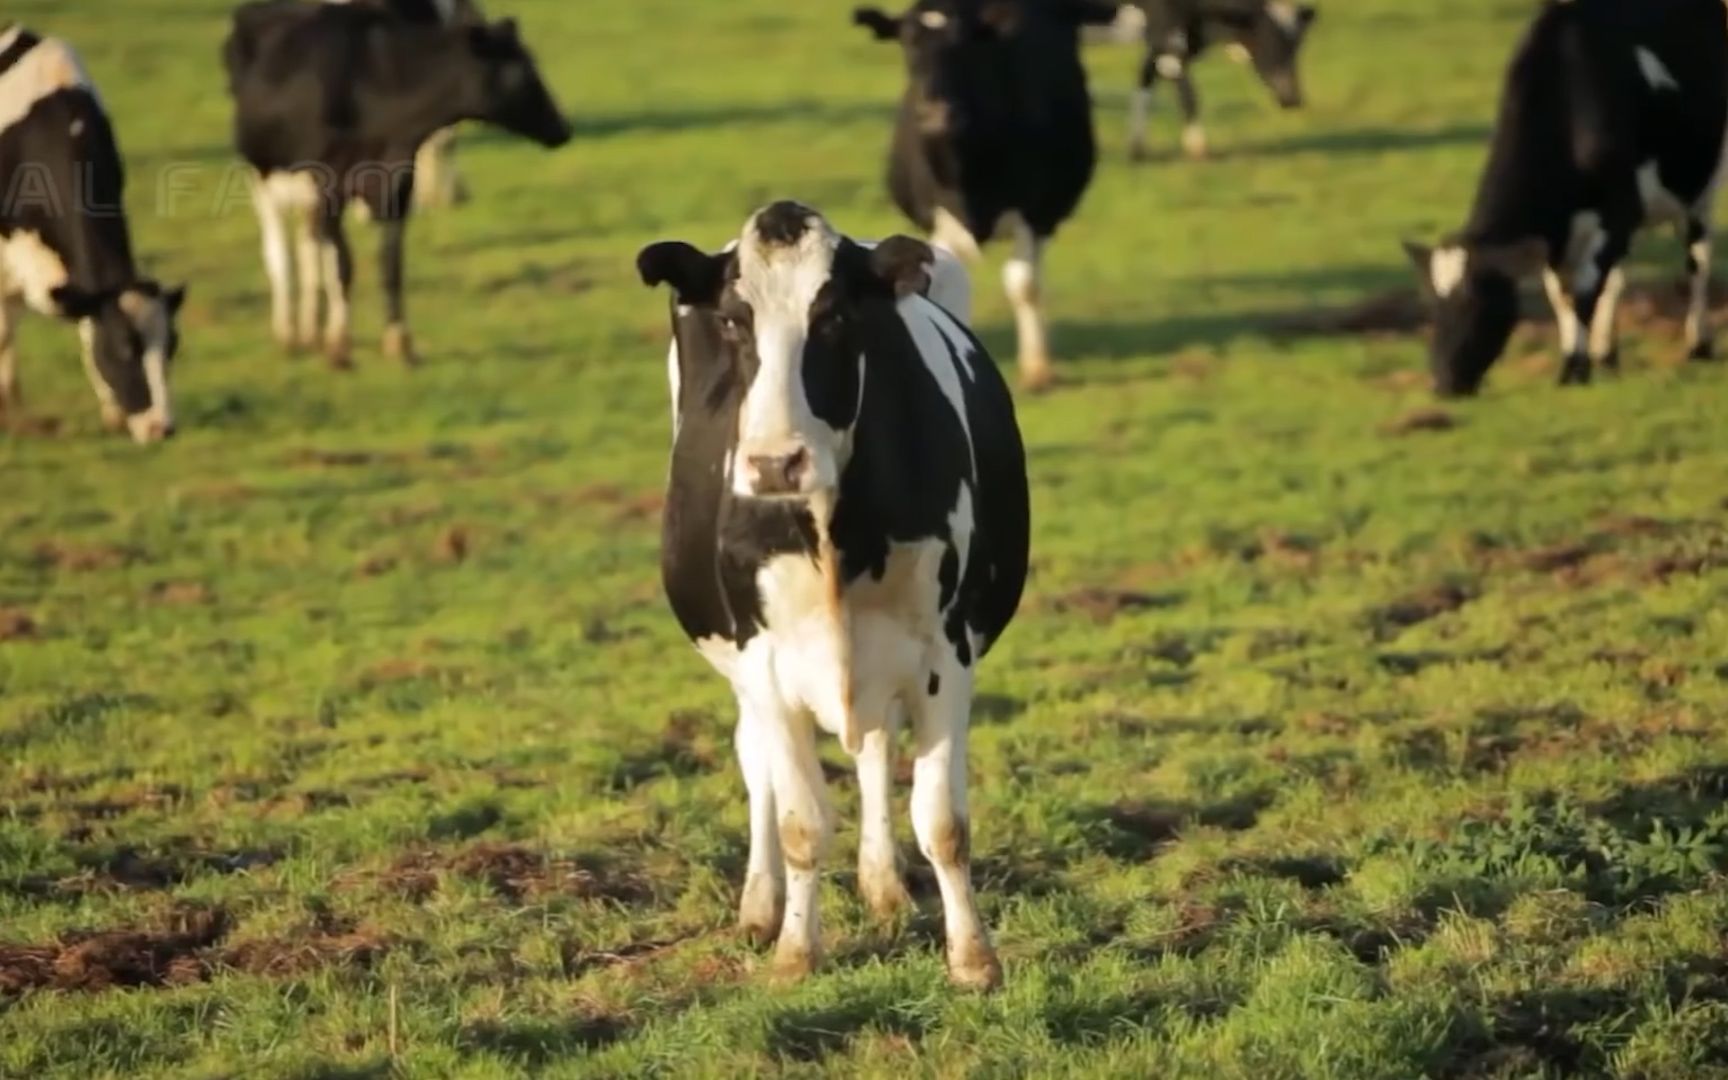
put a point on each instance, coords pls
(885, 26)
(903, 264)
(1306, 14)
(173, 298)
(505, 30)
(694, 275)
(76, 303)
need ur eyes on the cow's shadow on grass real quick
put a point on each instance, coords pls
(537, 1043)
(812, 1034)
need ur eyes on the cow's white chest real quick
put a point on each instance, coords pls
(30, 269)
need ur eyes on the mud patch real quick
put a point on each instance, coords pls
(328, 942)
(85, 558)
(181, 593)
(1103, 605)
(1418, 421)
(452, 546)
(516, 873)
(17, 625)
(1417, 607)
(171, 954)
(35, 427)
(338, 459)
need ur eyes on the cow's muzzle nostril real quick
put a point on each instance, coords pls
(780, 474)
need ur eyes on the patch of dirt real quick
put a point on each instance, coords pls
(171, 954)
(1631, 525)
(84, 558)
(452, 546)
(327, 943)
(311, 457)
(181, 593)
(36, 427)
(376, 566)
(1665, 567)
(399, 670)
(516, 873)
(17, 624)
(1103, 605)
(1556, 557)
(624, 506)
(1418, 607)
(1419, 420)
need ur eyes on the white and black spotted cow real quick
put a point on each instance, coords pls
(1265, 33)
(995, 130)
(846, 536)
(1613, 118)
(438, 182)
(65, 249)
(332, 103)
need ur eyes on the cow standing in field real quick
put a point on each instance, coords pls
(437, 182)
(846, 536)
(65, 248)
(995, 129)
(1614, 117)
(1266, 33)
(332, 102)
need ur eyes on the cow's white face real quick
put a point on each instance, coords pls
(782, 313)
(130, 342)
(778, 323)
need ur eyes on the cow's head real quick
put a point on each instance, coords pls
(955, 81)
(1271, 39)
(512, 93)
(1474, 292)
(130, 338)
(788, 307)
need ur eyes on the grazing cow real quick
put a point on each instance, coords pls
(995, 127)
(1614, 117)
(846, 536)
(1265, 33)
(332, 103)
(65, 248)
(437, 182)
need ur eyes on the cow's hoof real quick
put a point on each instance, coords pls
(1194, 144)
(975, 968)
(399, 346)
(1038, 380)
(794, 963)
(761, 911)
(340, 355)
(1702, 353)
(113, 420)
(1611, 363)
(1576, 372)
(884, 894)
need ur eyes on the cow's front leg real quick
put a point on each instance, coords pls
(879, 879)
(335, 260)
(763, 906)
(278, 262)
(940, 721)
(1022, 277)
(1700, 340)
(1193, 133)
(398, 342)
(1605, 323)
(806, 826)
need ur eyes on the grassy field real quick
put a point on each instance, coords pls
(347, 735)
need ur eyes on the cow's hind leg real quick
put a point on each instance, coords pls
(763, 906)
(1140, 108)
(398, 342)
(940, 720)
(309, 239)
(1193, 132)
(878, 858)
(1022, 277)
(1605, 324)
(1700, 338)
(806, 827)
(335, 261)
(278, 262)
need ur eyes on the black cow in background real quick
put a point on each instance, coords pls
(995, 129)
(332, 102)
(1613, 118)
(1266, 33)
(437, 181)
(65, 248)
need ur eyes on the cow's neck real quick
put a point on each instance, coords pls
(1529, 184)
(443, 91)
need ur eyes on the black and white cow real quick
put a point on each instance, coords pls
(1265, 33)
(437, 181)
(995, 128)
(846, 536)
(332, 104)
(65, 248)
(1613, 118)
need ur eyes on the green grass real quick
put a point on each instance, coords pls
(1319, 749)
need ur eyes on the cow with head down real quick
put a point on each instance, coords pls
(846, 536)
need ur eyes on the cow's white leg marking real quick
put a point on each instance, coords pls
(940, 722)
(1021, 277)
(113, 416)
(762, 908)
(1604, 325)
(878, 859)
(806, 826)
(338, 273)
(9, 396)
(278, 261)
(309, 259)
(1700, 337)
(1564, 311)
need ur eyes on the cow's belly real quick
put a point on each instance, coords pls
(30, 270)
(880, 644)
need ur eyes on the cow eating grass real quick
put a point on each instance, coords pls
(1614, 118)
(65, 247)
(846, 535)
